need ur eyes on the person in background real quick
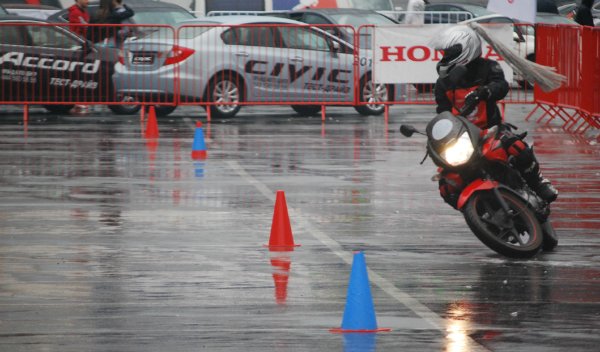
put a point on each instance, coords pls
(111, 12)
(78, 14)
(415, 13)
(583, 16)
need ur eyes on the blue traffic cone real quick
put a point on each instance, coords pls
(359, 314)
(199, 147)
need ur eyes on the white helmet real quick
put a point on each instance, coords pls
(460, 45)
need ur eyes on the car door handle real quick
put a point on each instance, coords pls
(243, 54)
(296, 59)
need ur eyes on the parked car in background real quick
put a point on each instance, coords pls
(48, 63)
(234, 59)
(344, 19)
(568, 10)
(453, 12)
(596, 13)
(30, 10)
(147, 13)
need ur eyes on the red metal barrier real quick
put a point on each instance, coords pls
(575, 52)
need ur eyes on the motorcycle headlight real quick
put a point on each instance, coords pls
(459, 152)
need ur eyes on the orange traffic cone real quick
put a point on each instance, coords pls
(281, 273)
(151, 125)
(281, 239)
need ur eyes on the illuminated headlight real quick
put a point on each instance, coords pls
(459, 152)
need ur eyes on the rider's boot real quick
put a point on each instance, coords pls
(529, 168)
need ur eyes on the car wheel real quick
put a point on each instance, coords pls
(372, 94)
(307, 110)
(226, 91)
(59, 109)
(128, 109)
(164, 110)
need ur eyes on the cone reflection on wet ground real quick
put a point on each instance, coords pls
(281, 264)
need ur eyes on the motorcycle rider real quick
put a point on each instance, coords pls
(484, 83)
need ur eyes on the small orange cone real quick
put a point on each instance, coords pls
(151, 125)
(281, 239)
(281, 273)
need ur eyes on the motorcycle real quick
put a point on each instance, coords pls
(497, 204)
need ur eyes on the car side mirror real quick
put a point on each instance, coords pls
(517, 37)
(334, 46)
(407, 130)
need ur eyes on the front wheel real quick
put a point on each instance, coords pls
(307, 110)
(226, 91)
(374, 95)
(515, 235)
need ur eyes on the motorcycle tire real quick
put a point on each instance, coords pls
(485, 216)
(550, 236)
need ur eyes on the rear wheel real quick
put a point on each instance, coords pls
(516, 235)
(372, 94)
(550, 236)
(307, 110)
(126, 109)
(59, 109)
(225, 91)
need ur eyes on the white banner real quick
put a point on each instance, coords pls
(402, 55)
(523, 10)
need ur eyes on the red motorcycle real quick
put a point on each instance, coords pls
(499, 207)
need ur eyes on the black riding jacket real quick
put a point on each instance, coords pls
(480, 72)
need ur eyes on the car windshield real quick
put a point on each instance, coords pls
(477, 10)
(379, 5)
(160, 16)
(362, 19)
(553, 19)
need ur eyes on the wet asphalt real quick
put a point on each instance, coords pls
(110, 241)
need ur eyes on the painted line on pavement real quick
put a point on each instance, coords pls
(385, 285)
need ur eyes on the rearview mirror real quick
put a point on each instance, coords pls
(407, 130)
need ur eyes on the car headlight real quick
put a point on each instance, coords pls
(460, 151)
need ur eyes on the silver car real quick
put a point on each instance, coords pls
(228, 61)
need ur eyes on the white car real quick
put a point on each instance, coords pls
(226, 61)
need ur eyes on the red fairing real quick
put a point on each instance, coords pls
(477, 185)
(492, 150)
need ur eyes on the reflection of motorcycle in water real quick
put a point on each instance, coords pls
(499, 207)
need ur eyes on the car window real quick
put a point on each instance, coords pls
(13, 35)
(252, 36)
(378, 5)
(314, 19)
(51, 37)
(303, 38)
(363, 19)
(160, 16)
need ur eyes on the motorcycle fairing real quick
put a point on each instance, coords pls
(475, 186)
(437, 143)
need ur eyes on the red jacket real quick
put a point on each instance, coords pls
(78, 15)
